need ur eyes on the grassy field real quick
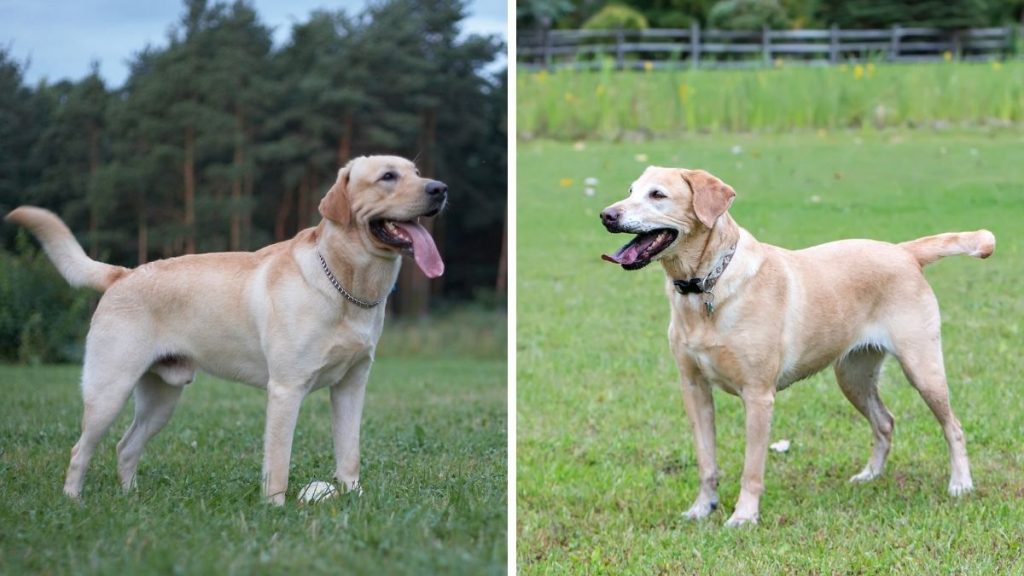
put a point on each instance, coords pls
(605, 463)
(433, 468)
(631, 105)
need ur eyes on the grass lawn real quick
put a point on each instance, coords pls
(433, 468)
(605, 463)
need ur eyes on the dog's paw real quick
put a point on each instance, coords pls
(960, 488)
(737, 520)
(350, 486)
(700, 510)
(865, 475)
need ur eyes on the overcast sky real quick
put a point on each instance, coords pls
(60, 38)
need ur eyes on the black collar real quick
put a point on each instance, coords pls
(707, 283)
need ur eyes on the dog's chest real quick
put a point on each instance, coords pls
(713, 364)
(343, 350)
(697, 342)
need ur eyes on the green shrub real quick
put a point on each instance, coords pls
(616, 17)
(42, 319)
(747, 15)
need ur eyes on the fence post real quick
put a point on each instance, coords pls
(894, 43)
(546, 47)
(620, 58)
(694, 44)
(833, 44)
(766, 46)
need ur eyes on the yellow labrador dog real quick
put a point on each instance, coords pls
(752, 318)
(291, 318)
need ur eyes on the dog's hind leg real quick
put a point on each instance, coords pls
(921, 358)
(104, 392)
(155, 401)
(857, 374)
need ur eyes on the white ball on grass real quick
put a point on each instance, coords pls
(317, 491)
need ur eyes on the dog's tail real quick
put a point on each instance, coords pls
(979, 244)
(64, 251)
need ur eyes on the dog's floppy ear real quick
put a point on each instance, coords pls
(711, 196)
(335, 205)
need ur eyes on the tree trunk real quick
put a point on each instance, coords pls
(143, 239)
(501, 286)
(345, 142)
(302, 219)
(284, 211)
(247, 187)
(189, 174)
(94, 216)
(236, 185)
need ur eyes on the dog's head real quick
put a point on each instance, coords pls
(665, 206)
(383, 197)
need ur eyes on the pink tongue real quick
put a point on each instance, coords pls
(626, 256)
(423, 249)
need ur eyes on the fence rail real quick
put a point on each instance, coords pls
(695, 47)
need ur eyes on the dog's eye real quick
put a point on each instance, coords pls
(389, 176)
(656, 194)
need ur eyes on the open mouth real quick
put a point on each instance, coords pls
(642, 249)
(410, 236)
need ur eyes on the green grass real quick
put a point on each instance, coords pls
(636, 104)
(433, 467)
(605, 463)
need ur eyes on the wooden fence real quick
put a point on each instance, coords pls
(695, 47)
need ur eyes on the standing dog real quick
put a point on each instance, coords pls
(291, 318)
(753, 318)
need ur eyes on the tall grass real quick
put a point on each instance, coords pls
(612, 104)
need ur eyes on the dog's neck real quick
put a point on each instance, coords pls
(696, 256)
(364, 275)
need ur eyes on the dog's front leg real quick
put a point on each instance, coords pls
(758, 406)
(346, 416)
(283, 403)
(700, 408)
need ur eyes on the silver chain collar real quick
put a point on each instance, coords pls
(342, 291)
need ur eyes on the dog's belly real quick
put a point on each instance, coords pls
(220, 349)
(253, 373)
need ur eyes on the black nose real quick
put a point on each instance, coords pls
(435, 188)
(609, 217)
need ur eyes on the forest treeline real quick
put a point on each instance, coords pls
(218, 140)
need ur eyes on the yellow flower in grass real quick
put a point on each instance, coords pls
(648, 66)
(997, 65)
(599, 91)
(684, 93)
(541, 76)
(565, 182)
(570, 97)
(778, 62)
(858, 72)
(947, 55)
